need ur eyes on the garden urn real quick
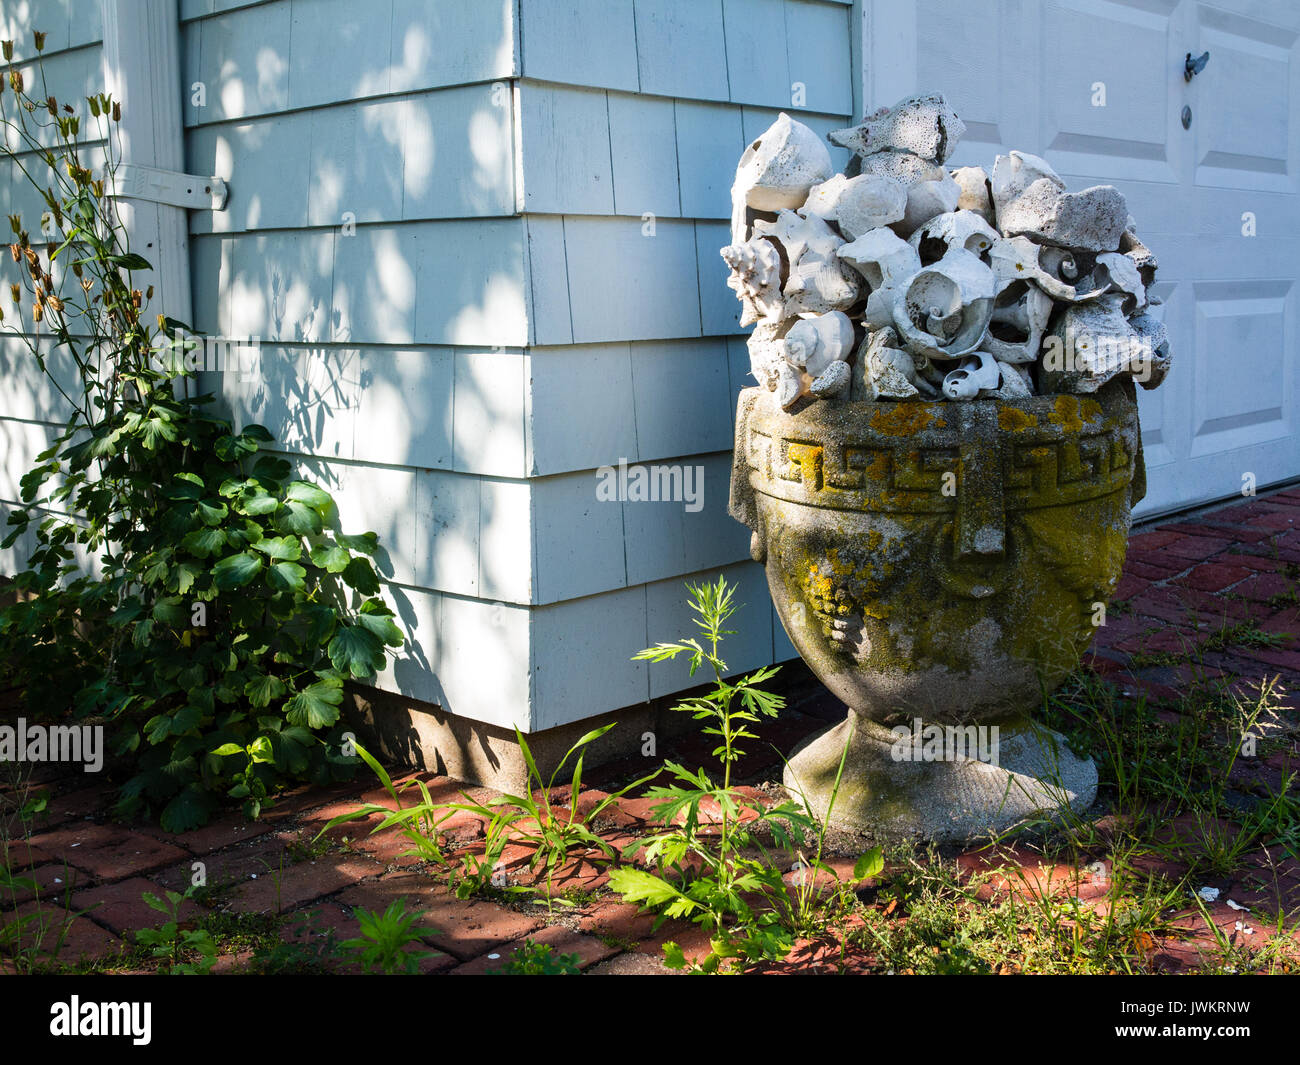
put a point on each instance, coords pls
(941, 567)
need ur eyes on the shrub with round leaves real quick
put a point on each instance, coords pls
(183, 586)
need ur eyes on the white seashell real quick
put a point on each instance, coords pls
(885, 371)
(790, 386)
(1015, 382)
(943, 310)
(833, 382)
(776, 171)
(812, 344)
(923, 126)
(1093, 342)
(1154, 340)
(810, 238)
(822, 198)
(925, 200)
(1015, 259)
(1091, 220)
(1013, 173)
(816, 287)
(818, 281)
(859, 204)
(1021, 313)
(953, 229)
(902, 167)
(975, 374)
(1116, 272)
(975, 195)
(755, 278)
(767, 352)
(1141, 256)
(882, 257)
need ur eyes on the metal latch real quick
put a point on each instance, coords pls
(170, 187)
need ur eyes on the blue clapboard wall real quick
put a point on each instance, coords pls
(479, 245)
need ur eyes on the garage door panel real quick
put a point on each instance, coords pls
(1240, 398)
(1127, 59)
(1244, 103)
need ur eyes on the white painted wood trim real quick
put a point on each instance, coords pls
(142, 69)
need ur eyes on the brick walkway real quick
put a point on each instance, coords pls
(1205, 582)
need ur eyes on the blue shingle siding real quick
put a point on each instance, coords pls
(478, 245)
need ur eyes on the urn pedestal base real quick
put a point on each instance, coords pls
(953, 799)
(1032, 775)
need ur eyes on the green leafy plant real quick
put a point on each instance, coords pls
(184, 951)
(533, 819)
(184, 585)
(386, 940)
(537, 959)
(706, 871)
(418, 823)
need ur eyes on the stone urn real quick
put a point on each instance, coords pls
(941, 567)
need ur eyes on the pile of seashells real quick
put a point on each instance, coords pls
(900, 279)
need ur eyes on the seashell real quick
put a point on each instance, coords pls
(1093, 342)
(1015, 382)
(886, 371)
(1154, 342)
(767, 351)
(801, 238)
(833, 383)
(791, 386)
(816, 287)
(953, 229)
(1090, 220)
(858, 204)
(755, 278)
(812, 344)
(1015, 259)
(1021, 314)
(817, 281)
(822, 198)
(776, 171)
(1013, 173)
(902, 167)
(976, 374)
(975, 193)
(943, 310)
(882, 257)
(1141, 255)
(923, 126)
(925, 200)
(1116, 272)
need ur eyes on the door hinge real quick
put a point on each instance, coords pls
(170, 187)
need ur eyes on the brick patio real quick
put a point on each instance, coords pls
(1185, 581)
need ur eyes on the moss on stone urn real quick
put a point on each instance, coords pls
(940, 566)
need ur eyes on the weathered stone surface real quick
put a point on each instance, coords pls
(875, 570)
(946, 801)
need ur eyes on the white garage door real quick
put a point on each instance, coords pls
(1097, 89)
